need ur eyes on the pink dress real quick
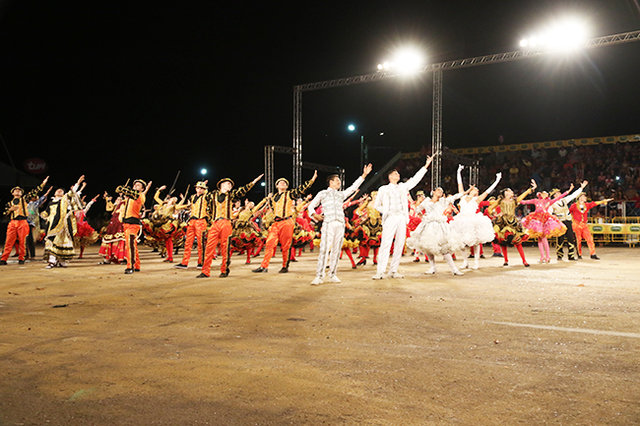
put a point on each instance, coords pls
(541, 223)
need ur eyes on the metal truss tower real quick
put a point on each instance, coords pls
(436, 69)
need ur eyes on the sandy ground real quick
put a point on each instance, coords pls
(555, 343)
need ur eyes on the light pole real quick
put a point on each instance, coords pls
(363, 148)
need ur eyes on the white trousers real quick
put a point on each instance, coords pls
(393, 227)
(331, 242)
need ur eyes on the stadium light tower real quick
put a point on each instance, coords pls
(406, 61)
(565, 35)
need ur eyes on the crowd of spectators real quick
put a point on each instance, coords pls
(613, 171)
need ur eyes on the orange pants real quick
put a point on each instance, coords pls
(17, 230)
(282, 232)
(130, 238)
(195, 229)
(582, 232)
(220, 233)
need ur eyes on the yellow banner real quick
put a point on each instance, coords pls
(536, 145)
(614, 228)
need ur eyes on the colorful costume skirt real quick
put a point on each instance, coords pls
(509, 231)
(541, 224)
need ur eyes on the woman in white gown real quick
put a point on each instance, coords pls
(434, 236)
(472, 227)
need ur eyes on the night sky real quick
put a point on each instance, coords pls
(116, 90)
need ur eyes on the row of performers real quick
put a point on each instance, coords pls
(381, 222)
(65, 221)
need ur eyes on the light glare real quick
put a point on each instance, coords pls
(405, 61)
(562, 36)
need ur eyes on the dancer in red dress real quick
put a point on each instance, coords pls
(113, 247)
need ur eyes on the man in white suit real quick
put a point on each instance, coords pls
(393, 203)
(333, 224)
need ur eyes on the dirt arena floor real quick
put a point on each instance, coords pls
(555, 343)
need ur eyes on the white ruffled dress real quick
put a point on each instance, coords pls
(472, 227)
(434, 236)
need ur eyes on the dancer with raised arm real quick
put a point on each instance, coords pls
(580, 212)
(561, 210)
(507, 227)
(221, 202)
(541, 224)
(435, 235)
(62, 225)
(393, 203)
(333, 222)
(282, 204)
(472, 226)
(18, 227)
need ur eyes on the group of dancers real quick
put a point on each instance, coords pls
(387, 221)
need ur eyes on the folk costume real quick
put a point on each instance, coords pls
(62, 226)
(507, 227)
(130, 215)
(113, 247)
(18, 227)
(436, 235)
(199, 207)
(542, 225)
(561, 210)
(283, 206)
(580, 214)
(85, 234)
(367, 224)
(246, 235)
(221, 213)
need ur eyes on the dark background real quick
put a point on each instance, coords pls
(118, 90)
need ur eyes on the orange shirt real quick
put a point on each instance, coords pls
(199, 207)
(132, 209)
(22, 213)
(222, 203)
(284, 204)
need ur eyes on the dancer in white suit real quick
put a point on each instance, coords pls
(332, 231)
(393, 203)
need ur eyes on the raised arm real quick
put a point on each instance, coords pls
(526, 193)
(459, 177)
(576, 193)
(355, 185)
(411, 183)
(491, 188)
(157, 197)
(299, 191)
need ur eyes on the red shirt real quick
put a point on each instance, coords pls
(579, 215)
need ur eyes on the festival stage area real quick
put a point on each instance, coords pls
(555, 343)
